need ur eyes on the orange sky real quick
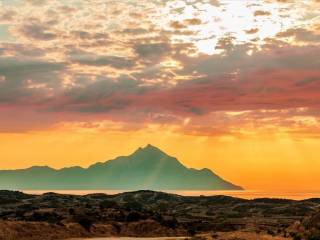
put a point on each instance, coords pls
(274, 163)
(228, 85)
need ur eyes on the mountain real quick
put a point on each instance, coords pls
(147, 168)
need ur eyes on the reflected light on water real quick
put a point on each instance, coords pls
(247, 194)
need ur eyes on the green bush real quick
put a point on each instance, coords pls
(108, 204)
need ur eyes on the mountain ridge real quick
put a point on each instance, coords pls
(146, 168)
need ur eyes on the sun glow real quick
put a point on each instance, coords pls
(259, 156)
(241, 20)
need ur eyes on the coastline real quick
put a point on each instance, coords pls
(244, 194)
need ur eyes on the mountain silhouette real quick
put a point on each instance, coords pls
(147, 168)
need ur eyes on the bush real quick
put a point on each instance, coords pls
(72, 211)
(296, 236)
(108, 204)
(133, 205)
(271, 232)
(50, 217)
(163, 206)
(133, 217)
(170, 223)
(85, 222)
(191, 232)
(313, 236)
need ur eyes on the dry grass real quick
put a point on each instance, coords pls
(238, 235)
(45, 231)
(38, 231)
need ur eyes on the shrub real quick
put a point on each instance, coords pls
(72, 211)
(133, 217)
(133, 205)
(108, 204)
(85, 222)
(191, 232)
(170, 222)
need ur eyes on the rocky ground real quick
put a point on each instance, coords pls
(155, 214)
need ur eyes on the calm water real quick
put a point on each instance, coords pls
(247, 194)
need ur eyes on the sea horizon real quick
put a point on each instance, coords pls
(245, 194)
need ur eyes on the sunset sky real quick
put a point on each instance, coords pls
(233, 85)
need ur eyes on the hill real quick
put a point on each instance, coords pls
(154, 214)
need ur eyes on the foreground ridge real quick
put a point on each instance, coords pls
(147, 213)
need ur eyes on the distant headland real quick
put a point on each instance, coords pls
(146, 168)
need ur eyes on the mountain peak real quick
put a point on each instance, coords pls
(150, 149)
(147, 168)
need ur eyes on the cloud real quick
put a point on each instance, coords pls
(261, 13)
(252, 31)
(152, 51)
(7, 16)
(20, 50)
(37, 2)
(214, 3)
(281, 78)
(301, 34)
(22, 77)
(96, 60)
(177, 25)
(193, 21)
(159, 64)
(271, 80)
(37, 31)
(85, 35)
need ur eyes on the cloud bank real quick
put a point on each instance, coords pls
(205, 67)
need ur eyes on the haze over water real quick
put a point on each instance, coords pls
(246, 194)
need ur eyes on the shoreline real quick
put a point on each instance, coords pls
(244, 194)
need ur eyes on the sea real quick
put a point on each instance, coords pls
(245, 194)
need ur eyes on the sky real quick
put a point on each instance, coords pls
(230, 85)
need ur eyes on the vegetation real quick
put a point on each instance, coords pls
(148, 213)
